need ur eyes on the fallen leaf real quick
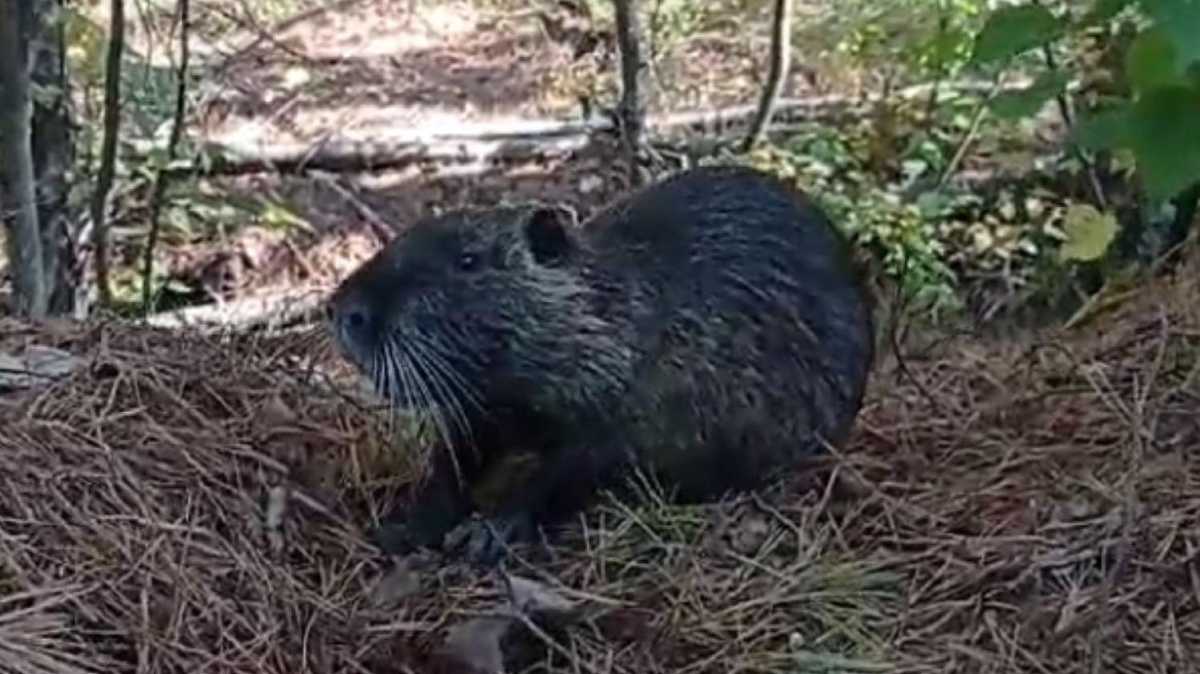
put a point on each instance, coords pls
(402, 581)
(476, 644)
(538, 599)
(1088, 233)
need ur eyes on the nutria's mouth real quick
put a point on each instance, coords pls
(416, 375)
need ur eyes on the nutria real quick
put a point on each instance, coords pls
(708, 330)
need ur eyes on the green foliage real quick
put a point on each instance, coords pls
(85, 42)
(1180, 20)
(1152, 61)
(925, 38)
(1028, 101)
(671, 21)
(903, 236)
(1009, 31)
(1157, 122)
(1161, 130)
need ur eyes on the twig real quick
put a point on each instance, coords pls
(263, 34)
(938, 76)
(969, 136)
(379, 226)
(1064, 109)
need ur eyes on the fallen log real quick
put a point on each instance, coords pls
(501, 143)
(270, 311)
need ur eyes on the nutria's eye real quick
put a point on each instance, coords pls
(468, 262)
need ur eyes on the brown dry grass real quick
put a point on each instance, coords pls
(1029, 507)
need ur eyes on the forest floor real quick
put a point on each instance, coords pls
(181, 501)
(368, 68)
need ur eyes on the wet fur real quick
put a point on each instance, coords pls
(709, 329)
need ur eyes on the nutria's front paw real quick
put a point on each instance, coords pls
(394, 538)
(485, 542)
(425, 526)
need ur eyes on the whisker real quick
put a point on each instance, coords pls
(407, 395)
(387, 384)
(427, 360)
(421, 386)
(436, 350)
(433, 390)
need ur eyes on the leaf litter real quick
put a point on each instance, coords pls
(175, 502)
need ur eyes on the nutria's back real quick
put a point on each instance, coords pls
(752, 328)
(709, 328)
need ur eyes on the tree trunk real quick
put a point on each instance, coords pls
(18, 204)
(160, 179)
(108, 149)
(781, 52)
(629, 110)
(53, 154)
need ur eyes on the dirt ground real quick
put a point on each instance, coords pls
(370, 67)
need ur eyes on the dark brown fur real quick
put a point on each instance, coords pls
(708, 329)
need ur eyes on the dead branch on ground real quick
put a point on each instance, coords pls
(268, 310)
(508, 142)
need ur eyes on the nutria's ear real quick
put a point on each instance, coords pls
(549, 233)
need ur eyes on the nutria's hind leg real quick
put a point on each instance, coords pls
(564, 484)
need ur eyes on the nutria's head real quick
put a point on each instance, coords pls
(470, 308)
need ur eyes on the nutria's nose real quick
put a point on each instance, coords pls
(350, 316)
(354, 318)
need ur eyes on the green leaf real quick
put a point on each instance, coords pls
(1180, 20)
(1104, 130)
(1089, 232)
(1162, 134)
(1029, 101)
(946, 45)
(1151, 60)
(1010, 31)
(278, 216)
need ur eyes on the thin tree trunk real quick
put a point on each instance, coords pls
(629, 110)
(160, 180)
(108, 151)
(53, 155)
(18, 207)
(781, 52)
